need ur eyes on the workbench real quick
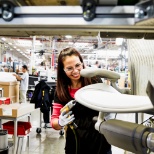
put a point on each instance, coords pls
(15, 112)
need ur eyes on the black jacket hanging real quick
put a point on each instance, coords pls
(41, 97)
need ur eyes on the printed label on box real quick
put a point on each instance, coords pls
(7, 112)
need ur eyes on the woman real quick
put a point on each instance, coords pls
(84, 138)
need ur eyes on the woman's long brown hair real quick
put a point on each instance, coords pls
(63, 82)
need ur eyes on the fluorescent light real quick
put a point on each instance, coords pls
(68, 36)
(119, 41)
(3, 38)
(25, 42)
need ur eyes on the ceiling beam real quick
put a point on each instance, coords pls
(62, 20)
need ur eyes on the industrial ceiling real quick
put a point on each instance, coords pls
(62, 17)
(50, 19)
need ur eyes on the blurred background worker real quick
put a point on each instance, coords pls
(24, 78)
(96, 65)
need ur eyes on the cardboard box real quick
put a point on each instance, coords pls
(16, 109)
(11, 90)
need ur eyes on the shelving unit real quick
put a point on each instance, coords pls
(91, 58)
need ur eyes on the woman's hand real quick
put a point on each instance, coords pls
(65, 118)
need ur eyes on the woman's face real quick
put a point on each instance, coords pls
(72, 67)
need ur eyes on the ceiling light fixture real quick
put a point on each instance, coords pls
(24, 42)
(3, 38)
(68, 36)
(7, 11)
(89, 9)
(119, 41)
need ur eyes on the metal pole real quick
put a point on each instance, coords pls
(32, 57)
(52, 55)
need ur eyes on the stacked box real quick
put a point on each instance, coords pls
(11, 90)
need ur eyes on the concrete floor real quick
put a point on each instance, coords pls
(49, 141)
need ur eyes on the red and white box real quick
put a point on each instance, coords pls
(5, 100)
